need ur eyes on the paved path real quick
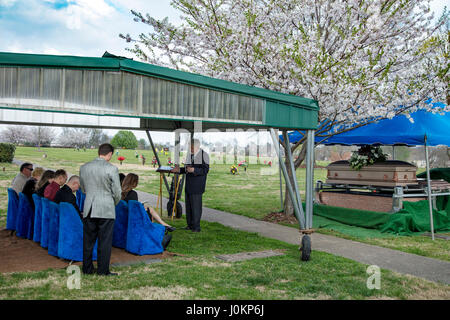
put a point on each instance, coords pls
(401, 262)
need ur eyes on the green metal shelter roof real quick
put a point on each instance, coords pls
(117, 86)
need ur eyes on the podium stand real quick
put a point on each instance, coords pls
(162, 170)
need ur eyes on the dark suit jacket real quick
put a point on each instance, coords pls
(196, 181)
(65, 194)
(29, 189)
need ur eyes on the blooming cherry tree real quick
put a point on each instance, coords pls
(361, 60)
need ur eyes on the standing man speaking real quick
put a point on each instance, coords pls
(99, 180)
(196, 168)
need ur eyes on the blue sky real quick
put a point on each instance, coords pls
(74, 27)
(82, 27)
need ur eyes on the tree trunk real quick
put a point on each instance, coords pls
(288, 205)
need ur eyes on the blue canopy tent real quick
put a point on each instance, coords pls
(427, 129)
(396, 131)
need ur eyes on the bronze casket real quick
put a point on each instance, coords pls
(390, 173)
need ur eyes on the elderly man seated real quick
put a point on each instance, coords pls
(19, 181)
(66, 193)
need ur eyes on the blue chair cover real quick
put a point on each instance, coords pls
(37, 217)
(25, 218)
(45, 209)
(13, 208)
(80, 199)
(121, 225)
(53, 231)
(143, 236)
(70, 242)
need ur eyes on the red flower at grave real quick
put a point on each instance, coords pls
(121, 159)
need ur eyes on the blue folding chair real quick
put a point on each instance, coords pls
(70, 242)
(25, 218)
(13, 208)
(45, 209)
(53, 231)
(143, 236)
(37, 217)
(120, 225)
(80, 199)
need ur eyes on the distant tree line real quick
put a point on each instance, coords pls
(37, 136)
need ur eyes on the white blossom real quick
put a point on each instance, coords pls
(361, 60)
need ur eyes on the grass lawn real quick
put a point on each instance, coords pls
(196, 274)
(249, 193)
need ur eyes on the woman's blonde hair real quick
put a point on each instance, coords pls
(129, 183)
(38, 172)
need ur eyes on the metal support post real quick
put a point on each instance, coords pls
(281, 189)
(397, 199)
(157, 159)
(300, 217)
(429, 188)
(176, 149)
(291, 162)
(309, 177)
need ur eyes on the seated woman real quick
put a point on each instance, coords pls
(30, 186)
(47, 177)
(129, 183)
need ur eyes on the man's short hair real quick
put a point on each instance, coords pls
(25, 165)
(104, 149)
(73, 178)
(60, 172)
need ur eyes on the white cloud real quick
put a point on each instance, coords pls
(92, 12)
(7, 3)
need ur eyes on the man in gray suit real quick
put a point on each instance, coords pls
(99, 180)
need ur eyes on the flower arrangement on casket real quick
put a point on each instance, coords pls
(366, 156)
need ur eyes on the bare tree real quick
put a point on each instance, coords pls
(74, 137)
(14, 134)
(97, 137)
(439, 157)
(41, 136)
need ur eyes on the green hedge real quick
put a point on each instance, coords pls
(7, 151)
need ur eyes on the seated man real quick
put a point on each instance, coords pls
(65, 194)
(19, 181)
(59, 180)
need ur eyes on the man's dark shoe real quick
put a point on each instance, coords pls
(170, 229)
(108, 274)
(187, 228)
(195, 230)
(90, 272)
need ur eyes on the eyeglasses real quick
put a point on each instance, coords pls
(31, 169)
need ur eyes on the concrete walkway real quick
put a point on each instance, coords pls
(394, 260)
